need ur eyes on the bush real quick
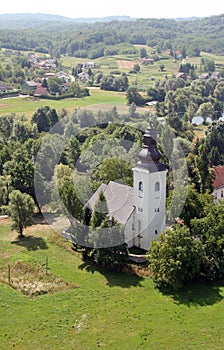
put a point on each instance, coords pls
(175, 258)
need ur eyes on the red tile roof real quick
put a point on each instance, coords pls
(218, 180)
(41, 91)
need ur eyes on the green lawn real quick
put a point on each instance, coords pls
(29, 105)
(106, 311)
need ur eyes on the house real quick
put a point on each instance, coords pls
(63, 76)
(151, 103)
(203, 76)
(177, 54)
(29, 86)
(87, 65)
(181, 75)
(216, 75)
(84, 77)
(147, 60)
(5, 88)
(218, 182)
(41, 91)
(141, 208)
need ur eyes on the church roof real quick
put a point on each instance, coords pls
(218, 180)
(119, 199)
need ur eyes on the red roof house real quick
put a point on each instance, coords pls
(218, 182)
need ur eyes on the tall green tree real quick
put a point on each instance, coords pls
(210, 230)
(100, 211)
(21, 209)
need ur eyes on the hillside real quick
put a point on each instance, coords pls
(29, 20)
(92, 40)
(104, 310)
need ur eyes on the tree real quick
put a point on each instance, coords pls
(107, 237)
(203, 166)
(54, 85)
(206, 110)
(72, 151)
(44, 83)
(21, 209)
(175, 258)
(68, 194)
(210, 231)
(41, 118)
(113, 169)
(100, 211)
(114, 253)
(143, 52)
(134, 96)
(136, 68)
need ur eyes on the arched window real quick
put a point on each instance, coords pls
(140, 189)
(157, 186)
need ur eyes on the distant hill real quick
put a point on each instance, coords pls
(102, 19)
(31, 20)
(30, 16)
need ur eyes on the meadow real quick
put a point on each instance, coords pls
(28, 105)
(104, 310)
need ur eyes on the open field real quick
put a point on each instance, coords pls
(106, 310)
(29, 105)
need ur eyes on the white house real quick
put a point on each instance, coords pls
(218, 182)
(140, 208)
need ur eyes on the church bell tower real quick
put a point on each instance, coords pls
(149, 192)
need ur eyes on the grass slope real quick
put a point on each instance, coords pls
(106, 311)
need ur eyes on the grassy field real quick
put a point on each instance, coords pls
(28, 105)
(105, 310)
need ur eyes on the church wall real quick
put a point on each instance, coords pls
(129, 232)
(150, 206)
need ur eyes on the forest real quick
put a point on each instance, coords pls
(92, 40)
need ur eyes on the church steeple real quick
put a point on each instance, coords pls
(149, 195)
(150, 155)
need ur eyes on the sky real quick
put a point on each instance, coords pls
(102, 8)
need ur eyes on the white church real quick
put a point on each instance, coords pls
(140, 208)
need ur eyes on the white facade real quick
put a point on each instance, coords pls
(218, 193)
(150, 202)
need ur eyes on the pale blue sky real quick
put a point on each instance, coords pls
(101, 8)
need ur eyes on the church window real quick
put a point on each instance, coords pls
(221, 194)
(140, 209)
(157, 186)
(140, 188)
(156, 232)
